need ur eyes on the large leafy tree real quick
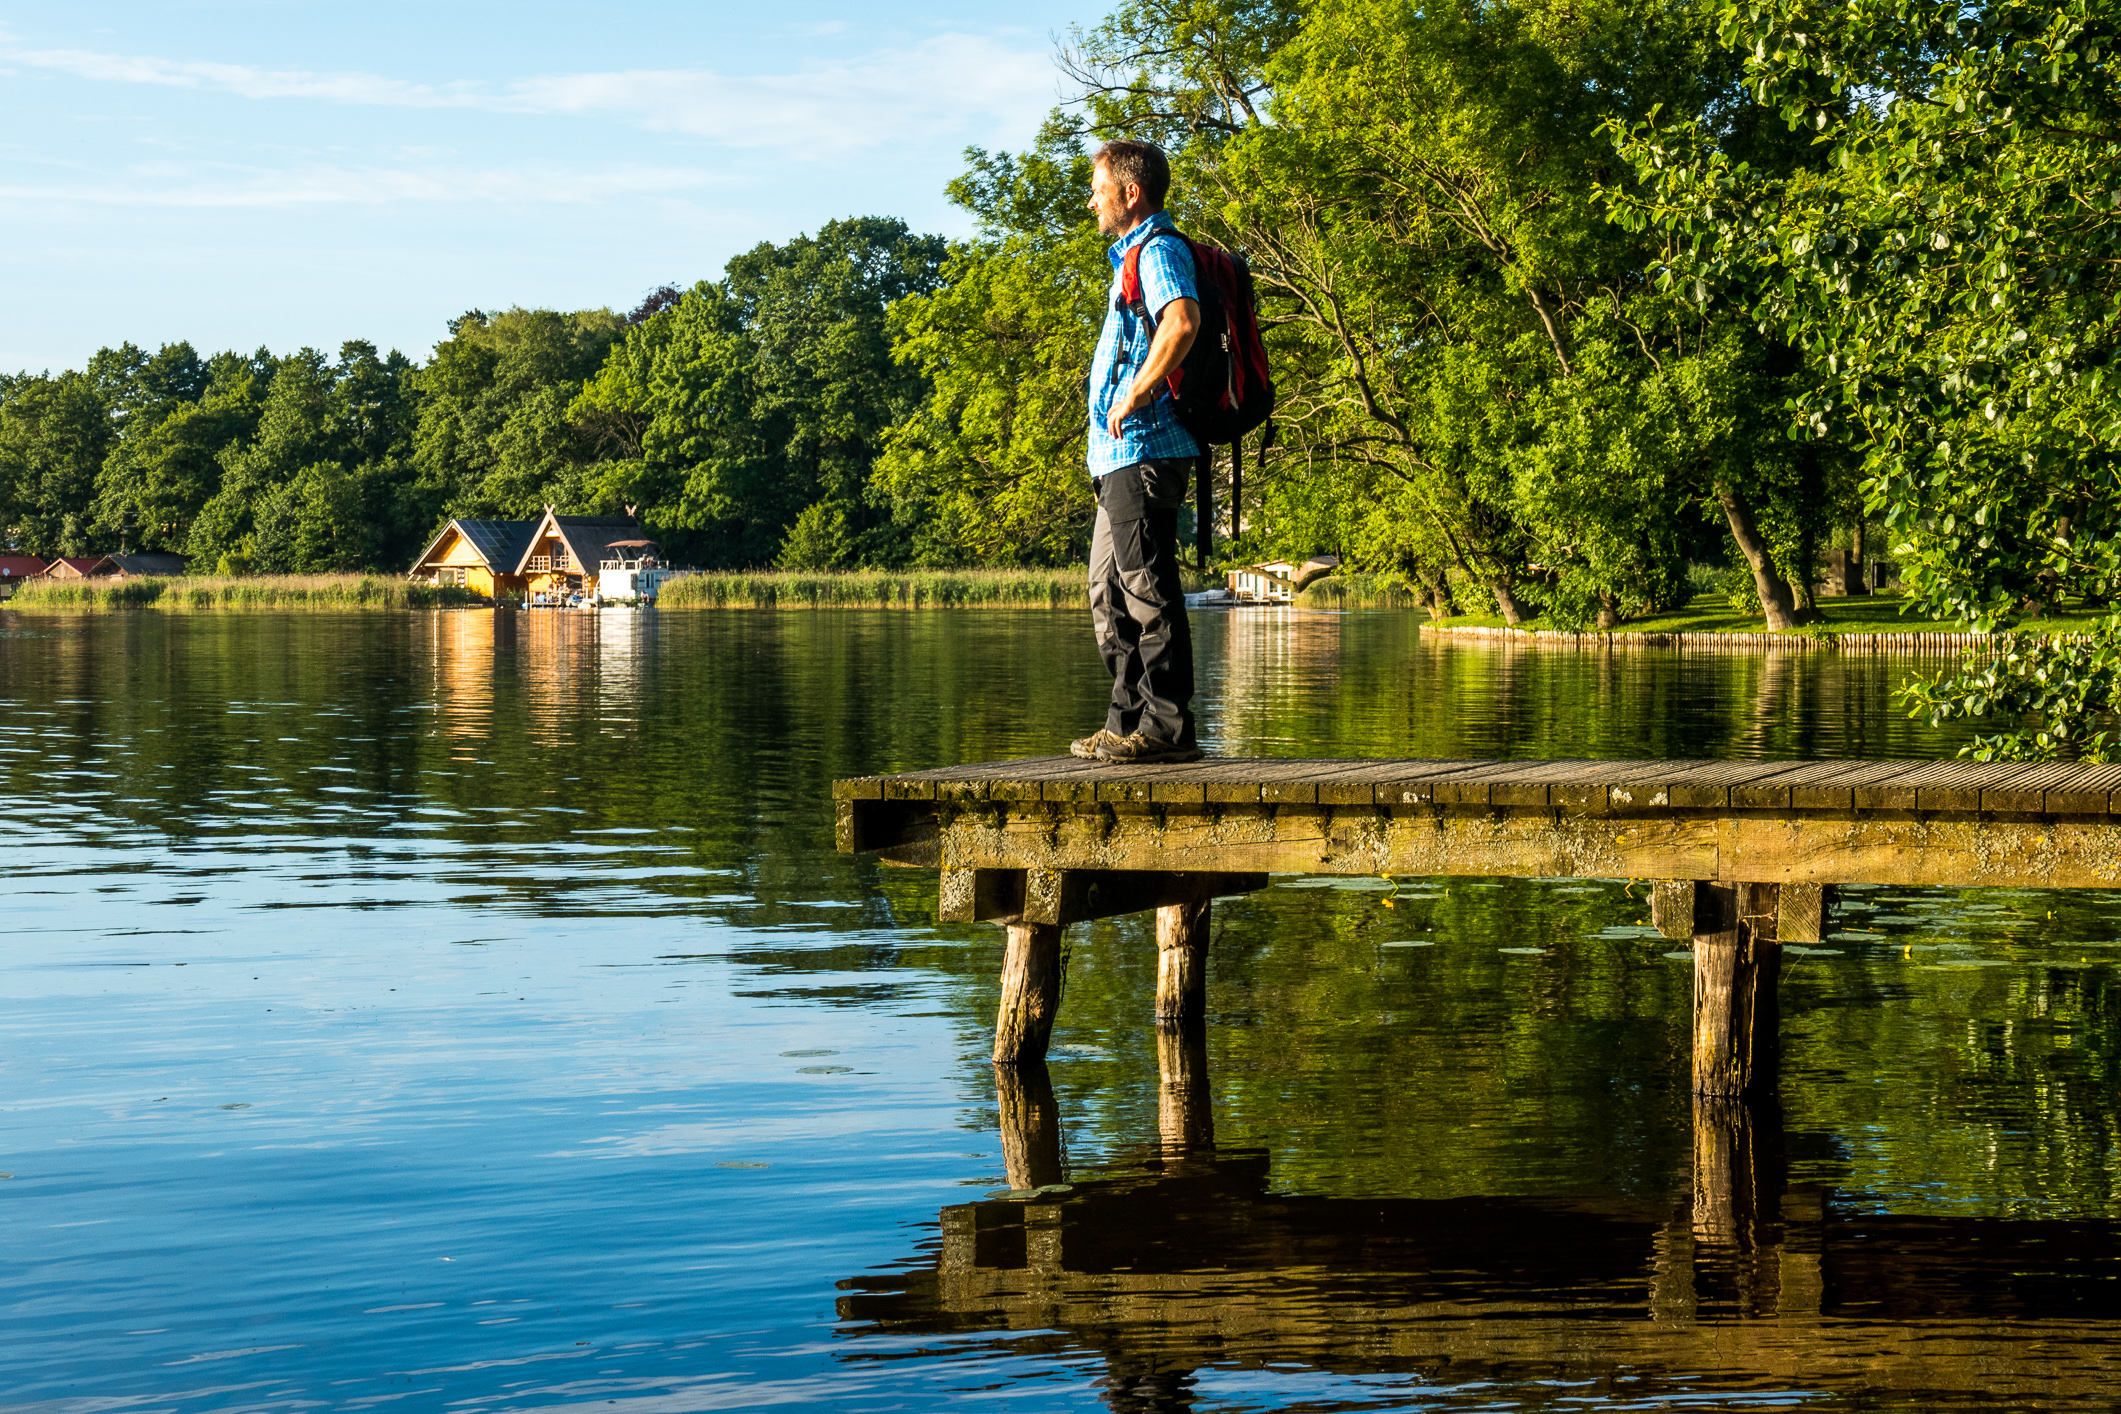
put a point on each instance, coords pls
(1468, 336)
(1954, 267)
(54, 434)
(160, 476)
(989, 468)
(729, 413)
(324, 480)
(493, 437)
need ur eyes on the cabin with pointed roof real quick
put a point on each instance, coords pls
(73, 567)
(479, 555)
(138, 566)
(567, 554)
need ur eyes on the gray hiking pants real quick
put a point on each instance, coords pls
(1137, 608)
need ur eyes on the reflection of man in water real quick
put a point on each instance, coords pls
(1140, 462)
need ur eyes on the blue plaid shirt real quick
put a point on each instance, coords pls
(1153, 431)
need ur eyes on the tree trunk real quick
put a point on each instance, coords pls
(1774, 590)
(1506, 603)
(1801, 585)
(1608, 612)
(1435, 592)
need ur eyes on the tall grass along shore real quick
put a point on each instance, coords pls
(1061, 588)
(878, 589)
(291, 591)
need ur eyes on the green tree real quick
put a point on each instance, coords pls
(820, 539)
(1952, 268)
(753, 397)
(989, 467)
(1462, 328)
(492, 436)
(166, 463)
(54, 434)
(326, 482)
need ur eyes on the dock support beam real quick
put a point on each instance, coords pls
(1031, 983)
(1181, 963)
(1737, 962)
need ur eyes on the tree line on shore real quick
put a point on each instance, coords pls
(1564, 297)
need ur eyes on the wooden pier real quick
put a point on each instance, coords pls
(1743, 854)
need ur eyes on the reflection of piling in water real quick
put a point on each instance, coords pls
(1184, 1118)
(1201, 1262)
(1030, 1125)
(1754, 1239)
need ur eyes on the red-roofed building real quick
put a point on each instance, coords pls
(73, 567)
(16, 568)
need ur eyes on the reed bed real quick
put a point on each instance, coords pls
(877, 589)
(283, 591)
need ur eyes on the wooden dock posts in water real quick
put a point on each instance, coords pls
(1743, 854)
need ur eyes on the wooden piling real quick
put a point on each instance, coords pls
(1031, 980)
(1182, 963)
(1737, 962)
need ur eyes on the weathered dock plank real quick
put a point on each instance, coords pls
(1883, 822)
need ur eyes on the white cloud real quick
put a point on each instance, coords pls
(951, 84)
(241, 79)
(363, 186)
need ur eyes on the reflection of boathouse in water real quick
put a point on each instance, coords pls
(1748, 1286)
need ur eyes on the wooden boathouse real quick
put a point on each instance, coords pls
(1744, 854)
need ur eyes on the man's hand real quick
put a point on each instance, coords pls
(1179, 322)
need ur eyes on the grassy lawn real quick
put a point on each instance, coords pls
(1878, 613)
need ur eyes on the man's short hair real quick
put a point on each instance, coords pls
(1139, 164)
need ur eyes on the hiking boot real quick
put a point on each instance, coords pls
(1091, 747)
(1141, 749)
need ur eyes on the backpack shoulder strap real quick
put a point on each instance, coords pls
(1130, 275)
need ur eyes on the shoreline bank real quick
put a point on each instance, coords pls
(1724, 640)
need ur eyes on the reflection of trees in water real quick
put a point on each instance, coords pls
(1265, 672)
(1193, 1260)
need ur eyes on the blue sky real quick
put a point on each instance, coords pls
(285, 174)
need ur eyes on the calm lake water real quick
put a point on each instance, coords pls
(468, 1011)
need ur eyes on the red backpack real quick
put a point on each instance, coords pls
(1221, 389)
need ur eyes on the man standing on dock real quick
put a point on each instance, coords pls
(1140, 461)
